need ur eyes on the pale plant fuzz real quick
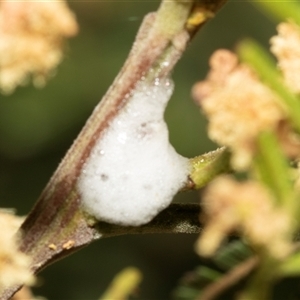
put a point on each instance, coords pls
(248, 208)
(286, 47)
(31, 40)
(14, 265)
(238, 106)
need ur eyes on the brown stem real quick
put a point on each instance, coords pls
(57, 226)
(177, 218)
(229, 279)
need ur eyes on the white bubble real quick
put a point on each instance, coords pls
(140, 172)
(165, 64)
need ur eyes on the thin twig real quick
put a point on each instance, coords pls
(57, 218)
(229, 279)
(177, 218)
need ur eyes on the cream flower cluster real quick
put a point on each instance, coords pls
(31, 40)
(237, 105)
(245, 207)
(14, 265)
(286, 47)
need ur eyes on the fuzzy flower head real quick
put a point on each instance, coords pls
(286, 47)
(247, 208)
(31, 40)
(14, 265)
(237, 105)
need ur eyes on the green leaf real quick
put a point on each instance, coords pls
(208, 273)
(291, 266)
(280, 10)
(195, 282)
(273, 170)
(256, 57)
(232, 255)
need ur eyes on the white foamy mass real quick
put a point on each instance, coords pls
(133, 171)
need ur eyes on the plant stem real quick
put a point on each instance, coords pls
(273, 169)
(57, 217)
(231, 278)
(207, 166)
(177, 218)
(259, 286)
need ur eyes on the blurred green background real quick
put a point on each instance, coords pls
(38, 126)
